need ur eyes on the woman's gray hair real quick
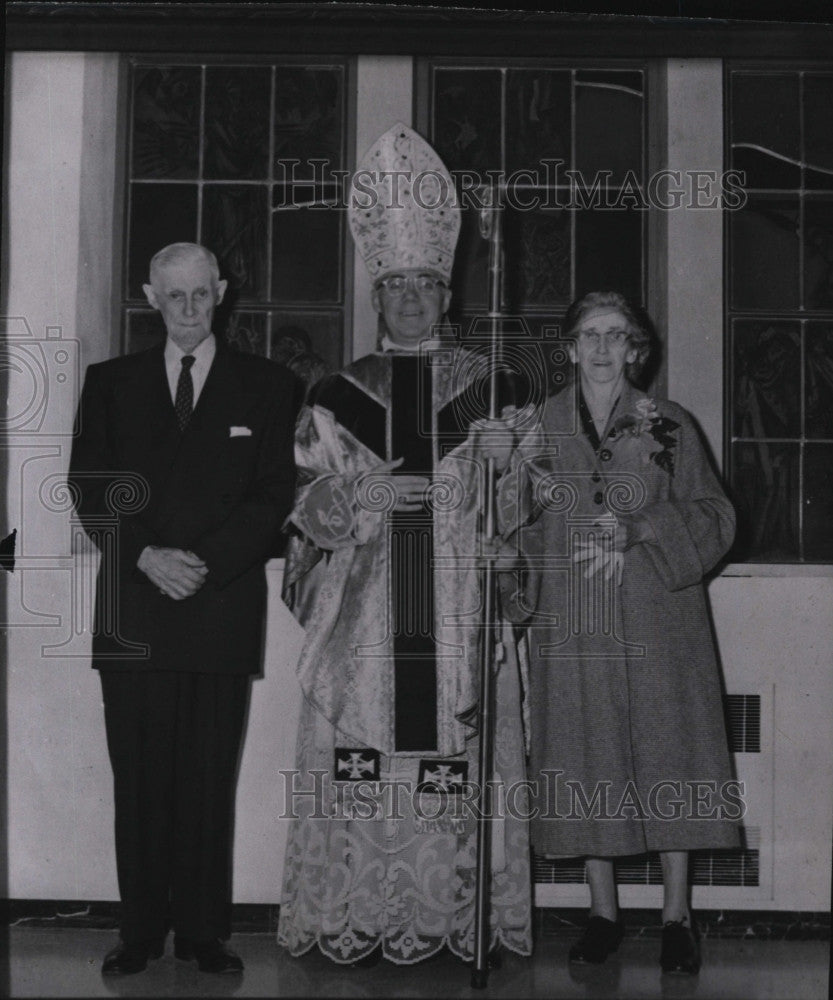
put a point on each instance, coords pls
(639, 329)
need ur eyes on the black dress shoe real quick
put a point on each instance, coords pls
(680, 949)
(130, 957)
(600, 938)
(210, 956)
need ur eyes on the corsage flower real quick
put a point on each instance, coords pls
(651, 427)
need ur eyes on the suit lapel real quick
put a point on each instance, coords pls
(221, 402)
(146, 398)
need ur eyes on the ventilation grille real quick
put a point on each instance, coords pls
(738, 867)
(743, 722)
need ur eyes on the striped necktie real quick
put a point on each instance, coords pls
(184, 402)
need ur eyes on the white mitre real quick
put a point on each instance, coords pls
(403, 207)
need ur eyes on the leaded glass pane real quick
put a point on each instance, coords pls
(818, 128)
(166, 113)
(766, 129)
(766, 379)
(306, 259)
(234, 226)
(159, 214)
(144, 329)
(818, 500)
(307, 342)
(765, 478)
(308, 115)
(818, 381)
(609, 126)
(765, 254)
(469, 280)
(538, 118)
(818, 253)
(608, 252)
(467, 118)
(237, 122)
(247, 331)
(537, 248)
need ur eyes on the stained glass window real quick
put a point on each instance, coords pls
(780, 314)
(569, 143)
(239, 156)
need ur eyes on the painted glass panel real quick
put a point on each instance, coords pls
(467, 118)
(234, 226)
(166, 113)
(237, 122)
(818, 381)
(766, 379)
(765, 480)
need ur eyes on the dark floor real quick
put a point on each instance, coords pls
(66, 962)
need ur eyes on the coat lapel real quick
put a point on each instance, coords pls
(221, 402)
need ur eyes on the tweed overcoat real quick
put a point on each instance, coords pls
(628, 740)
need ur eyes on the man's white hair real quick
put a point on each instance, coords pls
(177, 253)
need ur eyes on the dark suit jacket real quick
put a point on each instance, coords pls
(221, 493)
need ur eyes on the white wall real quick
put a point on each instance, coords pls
(775, 630)
(695, 246)
(58, 790)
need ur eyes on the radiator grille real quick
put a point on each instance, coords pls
(743, 722)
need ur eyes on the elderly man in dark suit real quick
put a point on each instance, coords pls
(203, 437)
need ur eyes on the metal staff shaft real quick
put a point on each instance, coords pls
(491, 229)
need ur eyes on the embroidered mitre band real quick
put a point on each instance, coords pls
(403, 207)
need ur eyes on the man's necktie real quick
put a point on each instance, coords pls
(184, 402)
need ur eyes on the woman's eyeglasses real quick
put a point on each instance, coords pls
(595, 337)
(395, 284)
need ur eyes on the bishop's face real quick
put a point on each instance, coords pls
(411, 301)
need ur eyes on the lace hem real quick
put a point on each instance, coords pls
(339, 948)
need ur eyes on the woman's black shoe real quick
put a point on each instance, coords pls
(600, 938)
(680, 949)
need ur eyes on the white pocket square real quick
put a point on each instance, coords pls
(239, 432)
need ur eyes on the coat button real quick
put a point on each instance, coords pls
(612, 435)
(605, 454)
(595, 478)
(598, 497)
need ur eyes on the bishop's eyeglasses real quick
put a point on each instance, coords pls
(395, 284)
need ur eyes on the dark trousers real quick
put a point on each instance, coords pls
(174, 741)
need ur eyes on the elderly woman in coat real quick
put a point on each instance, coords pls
(613, 505)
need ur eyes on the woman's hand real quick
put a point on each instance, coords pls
(606, 552)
